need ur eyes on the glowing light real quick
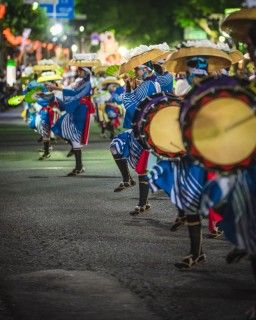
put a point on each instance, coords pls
(56, 29)
(81, 28)
(225, 34)
(122, 50)
(222, 39)
(74, 48)
(95, 42)
(35, 6)
(64, 38)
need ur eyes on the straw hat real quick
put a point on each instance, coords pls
(236, 56)
(110, 80)
(45, 67)
(84, 63)
(217, 59)
(164, 56)
(140, 59)
(49, 76)
(238, 23)
(100, 69)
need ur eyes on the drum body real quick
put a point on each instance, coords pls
(156, 125)
(218, 123)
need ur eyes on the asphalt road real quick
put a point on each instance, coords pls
(70, 250)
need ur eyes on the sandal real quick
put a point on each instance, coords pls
(188, 262)
(178, 223)
(140, 209)
(125, 185)
(75, 172)
(44, 156)
(215, 234)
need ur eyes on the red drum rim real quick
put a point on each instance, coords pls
(147, 139)
(197, 104)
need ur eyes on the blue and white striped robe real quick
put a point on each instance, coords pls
(124, 144)
(166, 82)
(181, 180)
(234, 196)
(71, 125)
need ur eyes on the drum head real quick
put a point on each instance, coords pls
(164, 130)
(219, 133)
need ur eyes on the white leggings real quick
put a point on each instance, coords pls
(76, 145)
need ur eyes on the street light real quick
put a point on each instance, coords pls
(56, 29)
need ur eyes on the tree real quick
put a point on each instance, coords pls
(151, 21)
(204, 14)
(135, 22)
(18, 17)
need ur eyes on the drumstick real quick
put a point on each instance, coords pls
(238, 123)
(173, 144)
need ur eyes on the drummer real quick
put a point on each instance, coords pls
(239, 188)
(124, 147)
(184, 180)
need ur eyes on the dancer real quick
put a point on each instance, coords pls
(182, 179)
(74, 125)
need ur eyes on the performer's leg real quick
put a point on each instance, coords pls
(46, 153)
(71, 152)
(143, 195)
(119, 149)
(144, 190)
(78, 157)
(46, 134)
(179, 221)
(77, 149)
(122, 165)
(214, 218)
(195, 235)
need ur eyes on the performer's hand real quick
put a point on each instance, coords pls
(128, 84)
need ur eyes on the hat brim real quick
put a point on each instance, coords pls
(105, 82)
(139, 60)
(84, 63)
(238, 23)
(164, 56)
(49, 78)
(100, 69)
(217, 59)
(236, 56)
(50, 67)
